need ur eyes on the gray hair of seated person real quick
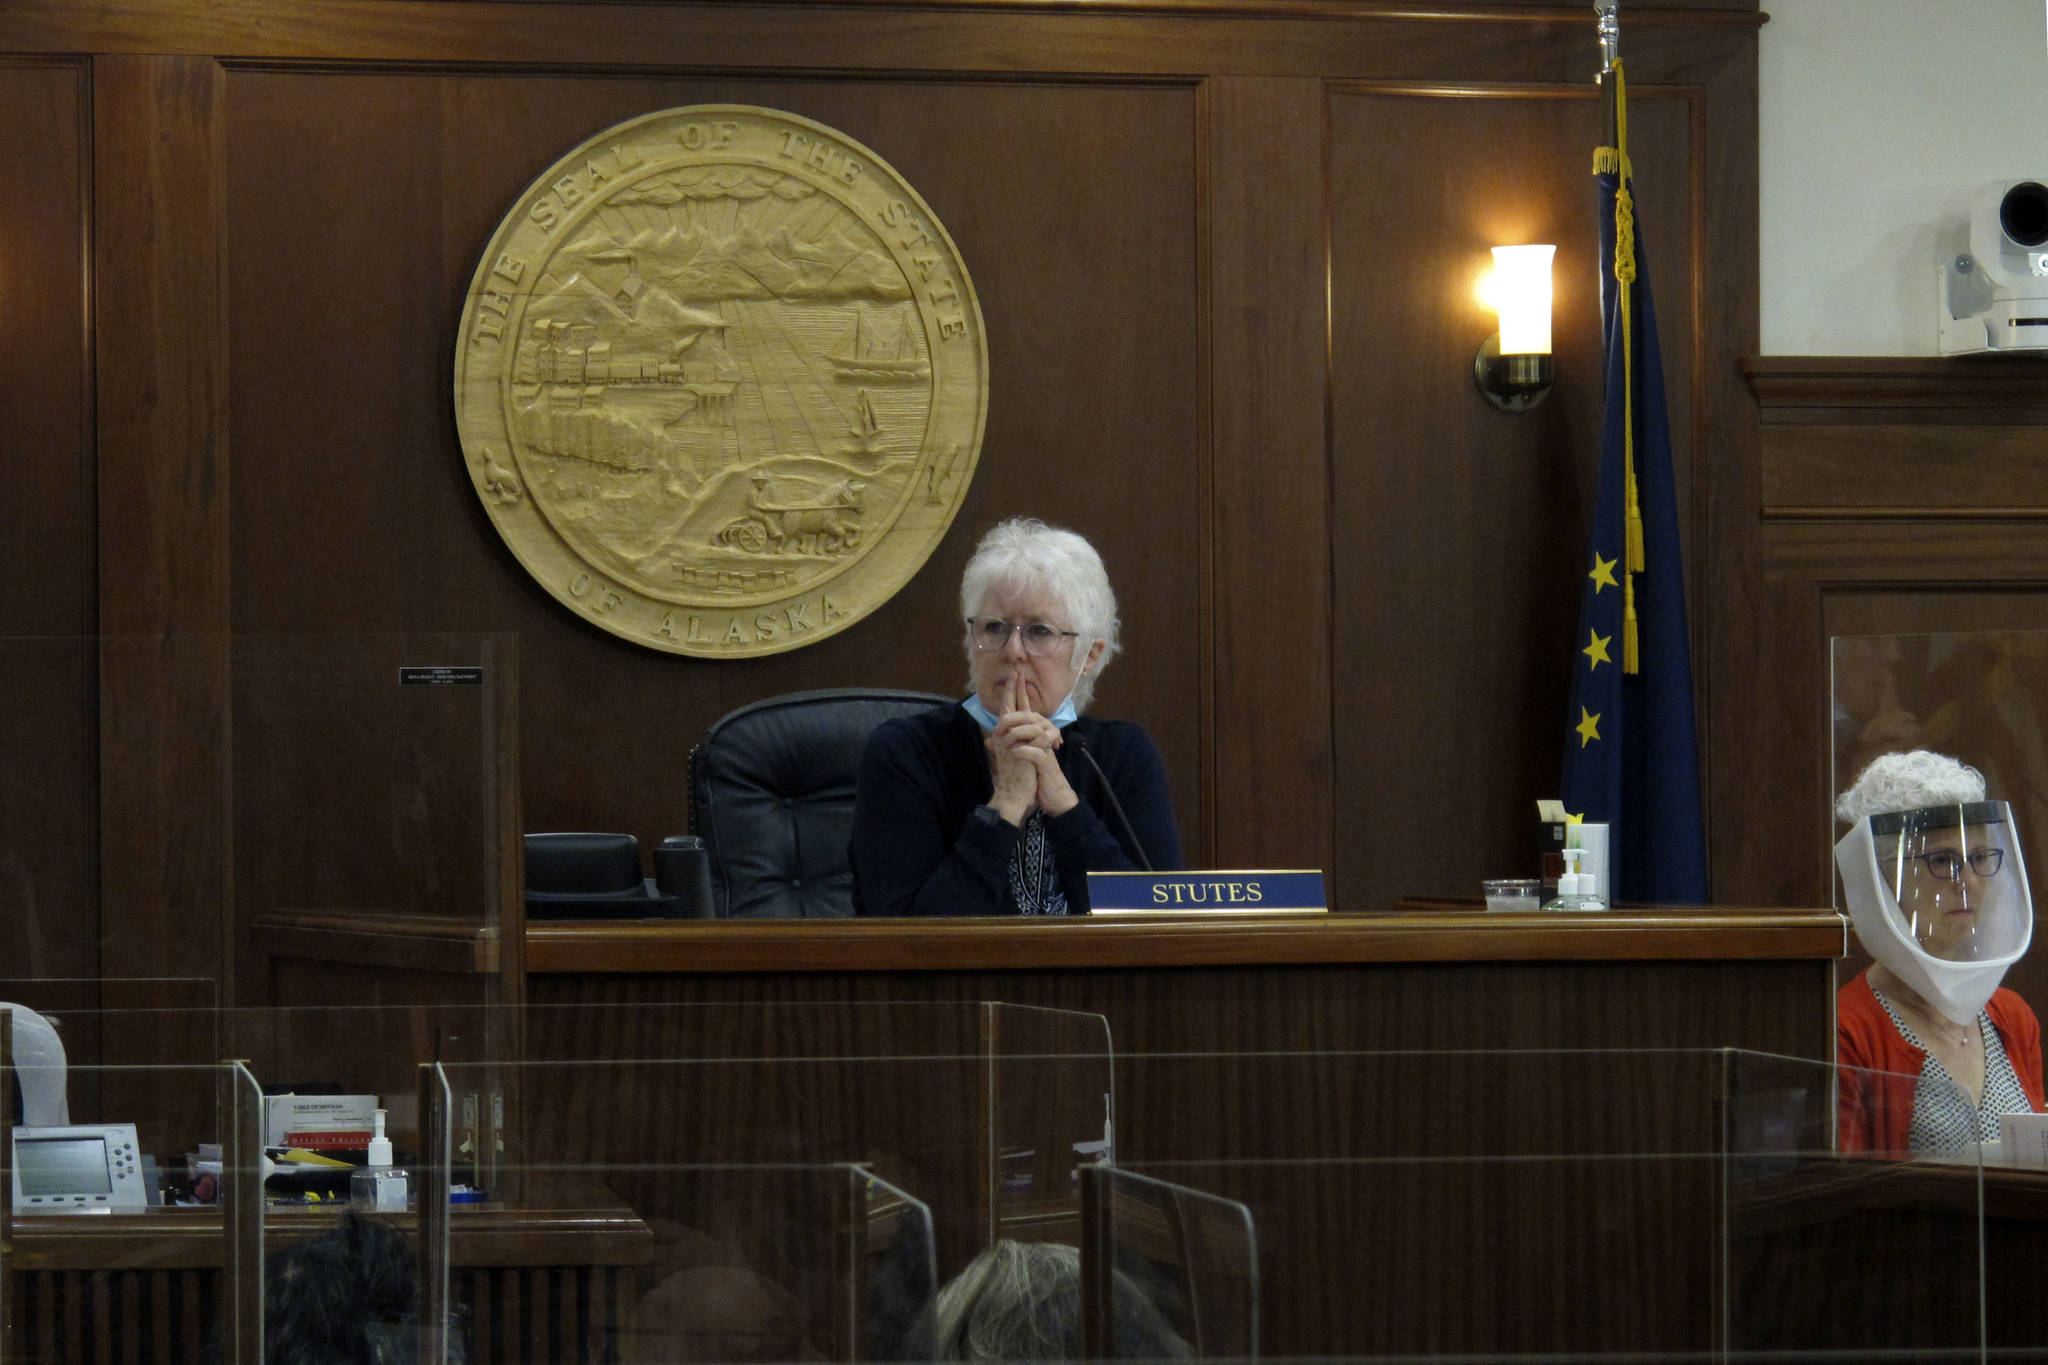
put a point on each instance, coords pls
(1909, 781)
(1020, 1301)
(1024, 554)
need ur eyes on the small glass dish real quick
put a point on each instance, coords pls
(1511, 893)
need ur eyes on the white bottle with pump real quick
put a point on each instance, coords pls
(1575, 888)
(380, 1185)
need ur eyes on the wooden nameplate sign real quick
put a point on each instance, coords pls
(1255, 892)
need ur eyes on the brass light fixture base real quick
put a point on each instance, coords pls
(1512, 383)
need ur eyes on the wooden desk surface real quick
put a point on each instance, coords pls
(485, 1235)
(1837, 1183)
(1416, 931)
(1862, 1257)
(1442, 931)
(536, 1283)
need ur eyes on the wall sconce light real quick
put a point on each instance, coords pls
(1514, 367)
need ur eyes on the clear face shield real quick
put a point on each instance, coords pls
(1939, 895)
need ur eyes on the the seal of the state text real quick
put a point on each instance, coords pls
(721, 380)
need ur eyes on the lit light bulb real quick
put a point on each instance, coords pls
(1519, 289)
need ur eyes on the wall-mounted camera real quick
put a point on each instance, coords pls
(1994, 280)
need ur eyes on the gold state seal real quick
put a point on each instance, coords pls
(721, 380)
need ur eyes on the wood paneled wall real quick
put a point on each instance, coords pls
(1226, 254)
(1893, 497)
(47, 534)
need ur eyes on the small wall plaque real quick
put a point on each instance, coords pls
(442, 675)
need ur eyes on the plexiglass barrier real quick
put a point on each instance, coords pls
(1979, 695)
(976, 1114)
(794, 1190)
(144, 1026)
(800, 1186)
(1175, 1271)
(116, 1250)
(320, 818)
(1844, 1242)
(803, 1186)
(1048, 1069)
(369, 773)
(1506, 1205)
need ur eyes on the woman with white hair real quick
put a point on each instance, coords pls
(1933, 1049)
(1003, 804)
(1021, 1301)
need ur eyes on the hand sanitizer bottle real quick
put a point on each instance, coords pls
(380, 1185)
(1575, 888)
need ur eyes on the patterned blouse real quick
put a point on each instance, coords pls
(1944, 1120)
(1034, 876)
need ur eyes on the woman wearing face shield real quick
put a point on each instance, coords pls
(1937, 891)
(1003, 804)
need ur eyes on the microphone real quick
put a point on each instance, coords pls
(1114, 804)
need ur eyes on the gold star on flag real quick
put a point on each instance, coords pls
(1603, 573)
(1597, 651)
(1588, 728)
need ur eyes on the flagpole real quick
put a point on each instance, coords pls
(1631, 747)
(1613, 156)
(1608, 14)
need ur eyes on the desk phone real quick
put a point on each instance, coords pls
(79, 1166)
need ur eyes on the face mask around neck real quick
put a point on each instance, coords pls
(1061, 718)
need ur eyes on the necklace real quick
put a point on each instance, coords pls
(1960, 1038)
(1939, 1025)
(1942, 1027)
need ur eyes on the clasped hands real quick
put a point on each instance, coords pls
(1024, 762)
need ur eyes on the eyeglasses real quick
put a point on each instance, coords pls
(993, 632)
(1945, 864)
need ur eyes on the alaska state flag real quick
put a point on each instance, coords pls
(1631, 758)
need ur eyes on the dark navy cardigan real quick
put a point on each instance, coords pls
(919, 849)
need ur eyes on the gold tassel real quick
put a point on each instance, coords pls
(1624, 277)
(1634, 535)
(1625, 274)
(1631, 656)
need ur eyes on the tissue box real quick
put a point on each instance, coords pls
(319, 1122)
(2024, 1138)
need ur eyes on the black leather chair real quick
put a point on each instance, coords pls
(771, 792)
(589, 876)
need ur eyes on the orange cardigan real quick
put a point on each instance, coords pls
(1874, 1113)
